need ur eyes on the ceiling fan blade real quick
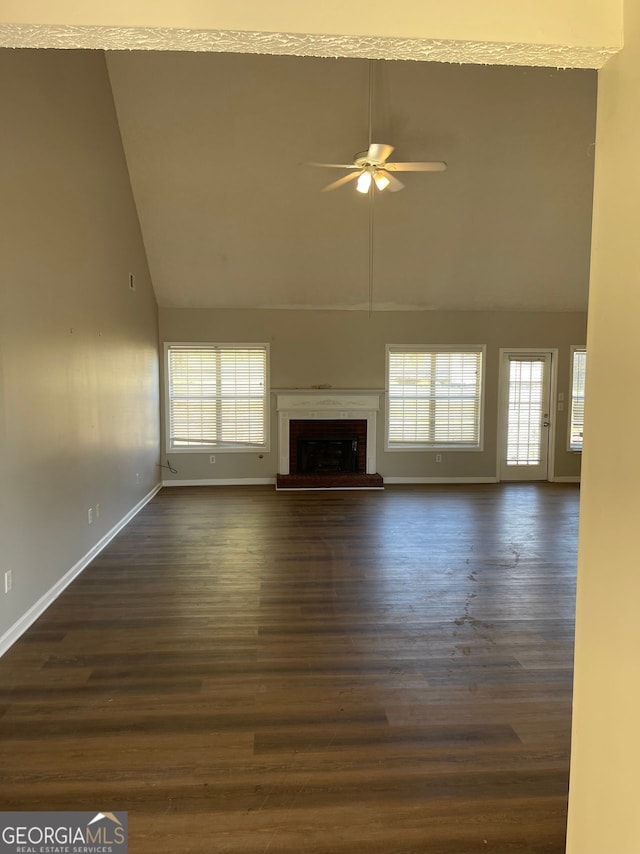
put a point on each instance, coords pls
(379, 151)
(334, 165)
(344, 180)
(394, 183)
(432, 166)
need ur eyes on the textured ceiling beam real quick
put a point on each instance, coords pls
(292, 44)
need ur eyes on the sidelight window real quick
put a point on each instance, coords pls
(576, 421)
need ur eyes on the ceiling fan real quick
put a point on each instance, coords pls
(370, 168)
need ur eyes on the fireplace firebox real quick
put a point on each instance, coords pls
(327, 446)
(326, 455)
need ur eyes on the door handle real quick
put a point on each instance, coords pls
(546, 423)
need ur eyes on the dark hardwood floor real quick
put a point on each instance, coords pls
(261, 672)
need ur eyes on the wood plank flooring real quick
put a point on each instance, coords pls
(260, 672)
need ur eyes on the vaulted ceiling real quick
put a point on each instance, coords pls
(232, 217)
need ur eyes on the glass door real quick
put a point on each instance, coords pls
(526, 396)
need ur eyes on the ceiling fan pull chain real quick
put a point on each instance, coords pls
(372, 197)
(370, 102)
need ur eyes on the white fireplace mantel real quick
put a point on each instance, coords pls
(325, 404)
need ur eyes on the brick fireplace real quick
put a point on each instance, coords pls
(327, 440)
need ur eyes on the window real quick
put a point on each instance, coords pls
(576, 420)
(217, 397)
(434, 398)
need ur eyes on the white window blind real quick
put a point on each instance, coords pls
(434, 398)
(576, 422)
(217, 396)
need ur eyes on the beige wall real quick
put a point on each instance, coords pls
(605, 753)
(78, 348)
(347, 350)
(570, 22)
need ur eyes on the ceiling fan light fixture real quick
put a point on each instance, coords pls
(381, 180)
(364, 182)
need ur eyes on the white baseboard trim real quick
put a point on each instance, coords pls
(270, 481)
(568, 479)
(228, 481)
(444, 480)
(20, 627)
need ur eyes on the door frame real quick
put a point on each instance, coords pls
(503, 398)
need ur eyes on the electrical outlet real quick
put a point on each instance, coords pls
(8, 581)
(212, 458)
(137, 477)
(438, 458)
(97, 511)
(90, 515)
